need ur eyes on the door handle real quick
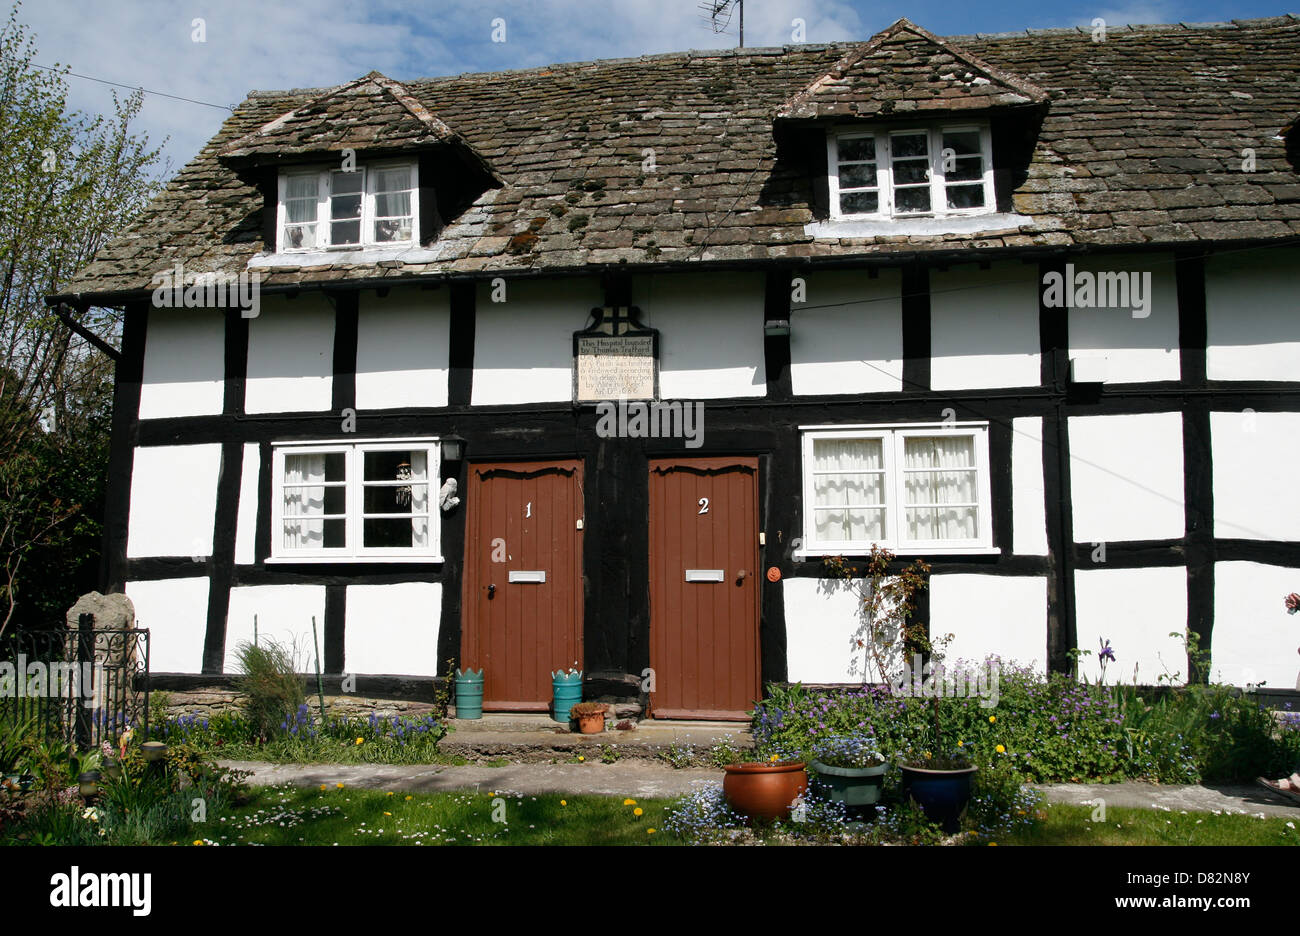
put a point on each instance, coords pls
(740, 577)
(492, 590)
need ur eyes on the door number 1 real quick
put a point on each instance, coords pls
(528, 509)
(704, 505)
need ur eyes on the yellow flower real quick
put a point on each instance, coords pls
(359, 740)
(961, 744)
(198, 841)
(581, 759)
(992, 719)
(409, 798)
(339, 785)
(649, 831)
(992, 843)
(1000, 749)
(387, 814)
(637, 811)
(629, 802)
(389, 794)
(564, 802)
(322, 786)
(773, 758)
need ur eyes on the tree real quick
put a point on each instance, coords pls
(70, 183)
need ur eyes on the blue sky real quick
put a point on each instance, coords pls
(271, 44)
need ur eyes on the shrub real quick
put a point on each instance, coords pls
(271, 684)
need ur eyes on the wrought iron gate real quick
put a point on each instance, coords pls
(85, 685)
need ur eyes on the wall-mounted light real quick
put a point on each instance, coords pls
(776, 327)
(453, 447)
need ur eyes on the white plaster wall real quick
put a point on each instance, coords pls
(984, 327)
(284, 614)
(821, 618)
(991, 615)
(184, 363)
(173, 500)
(246, 519)
(1256, 459)
(1126, 477)
(393, 629)
(523, 347)
(710, 333)
(1255, 640)
(848, 336)
(290, 356)
(1252, 307)
(1028, 508)
(176, 613)
(1137, 349)
(1136, 610)
(402, 349)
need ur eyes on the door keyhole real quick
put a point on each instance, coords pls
(492, 590)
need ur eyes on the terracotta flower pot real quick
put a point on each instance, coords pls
(591, 724)
(764, 791)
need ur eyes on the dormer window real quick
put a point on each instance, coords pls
(911, 172)
(369, 206)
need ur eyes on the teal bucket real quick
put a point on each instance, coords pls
(469, 694)
(567, 690)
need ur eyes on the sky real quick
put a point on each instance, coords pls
(273, 44)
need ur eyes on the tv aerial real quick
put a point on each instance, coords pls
(720, 13)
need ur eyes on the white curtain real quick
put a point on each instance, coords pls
(941, 471)
(849, 478)
(304, 506)
(420, 499)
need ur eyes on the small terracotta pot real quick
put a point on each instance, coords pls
(591, 724)
(764, 791)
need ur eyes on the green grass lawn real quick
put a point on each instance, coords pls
(1073, 825)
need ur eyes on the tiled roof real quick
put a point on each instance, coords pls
(671, 159)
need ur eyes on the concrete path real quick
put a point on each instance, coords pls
(636, 777)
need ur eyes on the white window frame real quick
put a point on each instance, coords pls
(892, 437)
(368, 172)
(884, 171)
(354, 551)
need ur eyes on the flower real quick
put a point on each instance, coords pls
(1000, 749)
(198, 841)
(409, 798)
(638, 811)
(564, 802)
(322, 786)
(649, 831)
(629, 802)
(359, 740)
(992, 719)
(339, 785)
(1106, 652)
(581, 759)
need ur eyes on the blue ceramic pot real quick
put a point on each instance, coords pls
(469, 694)
(566, 689)
(941, 794)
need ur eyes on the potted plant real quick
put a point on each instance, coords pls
(939, 782)
(764, 788)
(850, 769)
(590, 716)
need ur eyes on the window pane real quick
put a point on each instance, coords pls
(345, 232)
(344, 207)
(315, 534)
(911, 172)
(307, 467)
(852, 148)
(910, 144)
(940, 470)
(393, 229)
(303, 186)
(392, 180)
(912, 199)
(299, 210)
(859, 203)
(300, 235)
(853, 486)
(395, 205)
(858, 175)
(848, 455)
(395, 499)
(315, 501)
(395, 533)
(864, 525)
(398, 465)
(346, 183)
(942, 523)
(962, 142)
(968, 169)
(966, 196)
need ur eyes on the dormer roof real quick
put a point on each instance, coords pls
(908, 70)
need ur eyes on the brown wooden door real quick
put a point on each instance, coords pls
(522, 607)
(704, 632)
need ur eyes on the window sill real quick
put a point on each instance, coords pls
(801, 555)
(885, 227)
(359, 255)
(352, 560)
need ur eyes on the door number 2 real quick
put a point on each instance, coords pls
(704, 505)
